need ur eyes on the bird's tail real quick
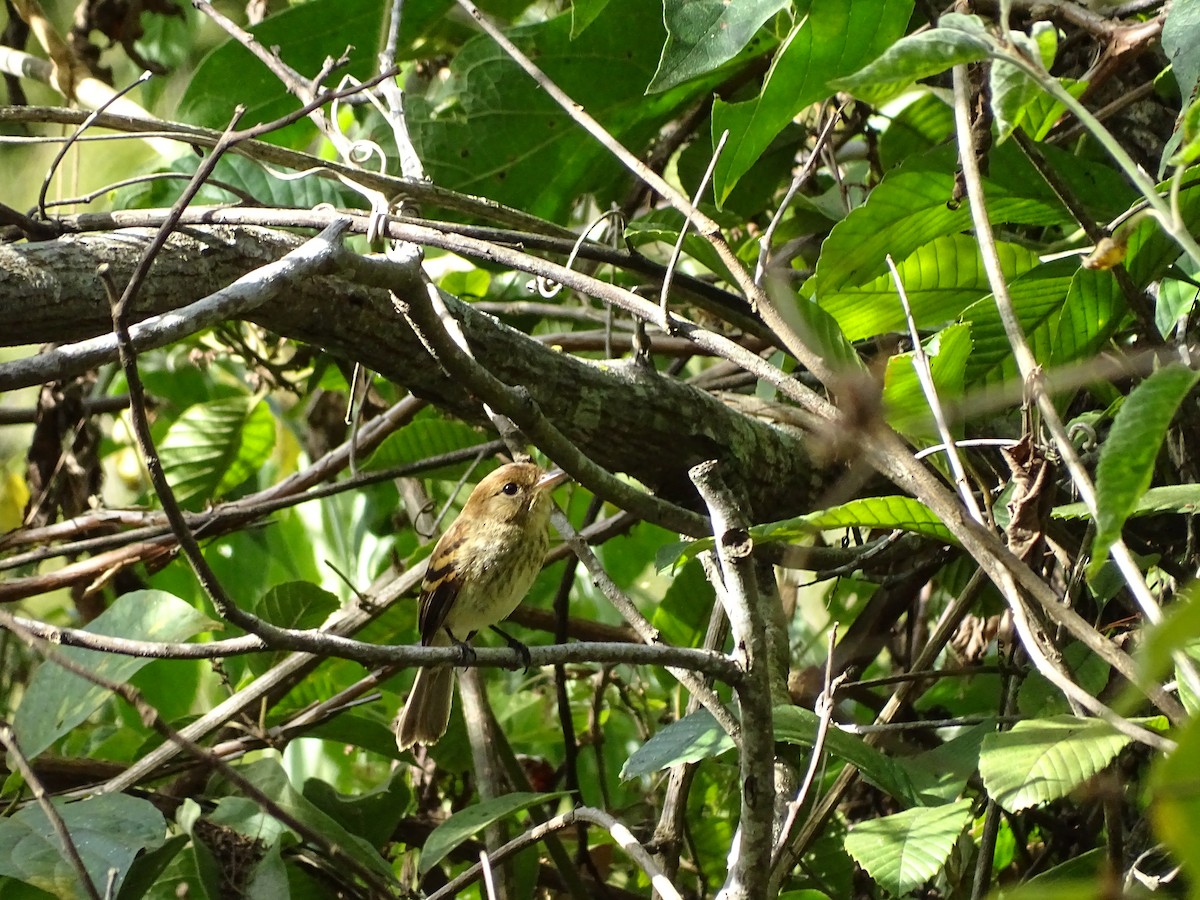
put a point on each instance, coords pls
(426, 713)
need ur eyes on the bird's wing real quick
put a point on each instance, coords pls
(439, 590)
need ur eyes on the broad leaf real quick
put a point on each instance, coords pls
(470, 821)
(833, 39)
(1127, 457)
(703, 35)
(1041, 760)
(690, 739)
(56, 700)
(903, 513)
(903, 851)
(906, 406)
(957, 39)
(108, 831)
(940, 278)
(215, 446)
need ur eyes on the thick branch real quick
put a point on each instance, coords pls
(625, 418)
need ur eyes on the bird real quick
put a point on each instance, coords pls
(480, 570)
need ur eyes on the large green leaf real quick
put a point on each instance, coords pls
(1175, 801)
(1127, 457)
(108, 831)
(56, 700)
(800, 726)
(906, 407)
(831, 39)
(490, 129)
(903, 851)
(956, 39)
(690, 739)
(462, 825)
(215, 446)
(898, 512)
(1181, 41)
(1041, 760)
(909, 209)
(705, 34)
(940, 278)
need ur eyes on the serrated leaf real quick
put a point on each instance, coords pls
(462, 825)
(215, 446)
(1127, 457)
(903, 851)
(940, 278)
(1040, 760)
(703, 35)
(835, 38)
(56, 700)
(108, 832)
(957, 39)
(690, 739)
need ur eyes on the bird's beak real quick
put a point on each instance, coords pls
(551, 479)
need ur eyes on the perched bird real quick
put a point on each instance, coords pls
(480, 570)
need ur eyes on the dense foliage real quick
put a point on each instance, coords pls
(875, 577)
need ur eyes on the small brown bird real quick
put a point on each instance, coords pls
(479, 572)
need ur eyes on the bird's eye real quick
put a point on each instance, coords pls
(511, 488)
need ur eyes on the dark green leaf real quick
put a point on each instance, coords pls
(957, 39)
(703, 35)
(108, 831)
(833, 39)
(470, 821)
(1127, 457)
(56, 700)
(690, 739)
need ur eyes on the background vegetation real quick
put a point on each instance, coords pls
(876, 573)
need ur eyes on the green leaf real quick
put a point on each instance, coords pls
(462, 825)
(690, 739)
(703, 35)
(56, 700)
(907, 210)
(1127, 457)
(1041, 760)
(1183, 499)
(269, 777)
(903, 851)
(816, 328)
(297, 604)
(906, 408)
(306, 33)
(1175, 799)
(1181, 42)
(108, 831)
(917, 128)
(1013, 91)
(940, 278)
(903, 513)
(505, 139)
(796, 725)
(957, 39)
(422, 439)
(215, 446)
(833, 39)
